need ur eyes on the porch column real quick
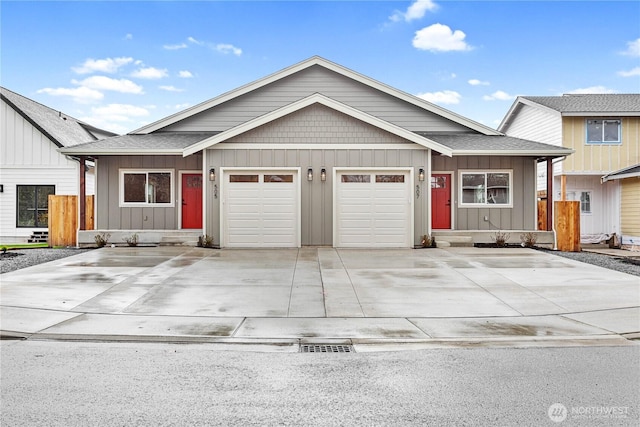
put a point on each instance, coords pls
(549, 194)
(83, 193)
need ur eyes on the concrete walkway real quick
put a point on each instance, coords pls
(373, 299)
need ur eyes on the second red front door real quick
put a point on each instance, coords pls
(441, 201)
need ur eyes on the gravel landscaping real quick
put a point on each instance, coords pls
(22, 258)
(17, 259)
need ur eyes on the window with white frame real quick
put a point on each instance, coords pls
(146, 187)
(485, 188)
(585, 202)
(601, 131)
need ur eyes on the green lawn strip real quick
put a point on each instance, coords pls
(11, 246)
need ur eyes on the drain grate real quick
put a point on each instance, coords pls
(326, 348)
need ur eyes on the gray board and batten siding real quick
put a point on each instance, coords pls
(316, 79)
(109, 214)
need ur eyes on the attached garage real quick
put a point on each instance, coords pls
(373, 208)
(261, 208)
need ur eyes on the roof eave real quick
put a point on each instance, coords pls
(601, 114)
(121, 152)
(513, 153)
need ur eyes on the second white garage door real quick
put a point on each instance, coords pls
(261, 209)
(373, 209)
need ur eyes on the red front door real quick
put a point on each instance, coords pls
(441, 201)
(191, 200)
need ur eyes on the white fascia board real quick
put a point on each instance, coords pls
(328, 102)
(622, 176)
(526, 153)
(316, 60)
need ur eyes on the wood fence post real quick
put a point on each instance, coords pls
(567, 225)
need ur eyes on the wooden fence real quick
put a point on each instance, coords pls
(567, 225)
(63, 219)
(542, 215)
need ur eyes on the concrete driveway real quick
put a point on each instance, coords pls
(424, 297)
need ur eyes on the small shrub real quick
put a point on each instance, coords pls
(500, 238)
(205, 241)
(528, 239)
(102, 239)
(132, 241)
(428, 241)
(3, 249)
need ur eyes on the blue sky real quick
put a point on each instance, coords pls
(120, 65)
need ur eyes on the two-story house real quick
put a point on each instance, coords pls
(604, 171)
(31, 167)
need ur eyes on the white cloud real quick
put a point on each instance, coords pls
(171, 88)
(228, 48)
(592, 89)
(630, 73)
(441, 97)
(194, 41)
(416, 11)
(476, 82)
(81, 95)
(498, 96)
(107, 65)
(181, 106)
(150, 73)
(633, 48)
(175, 46)
(185, 74)
(107, 83)
(440, 38)
(129, 36)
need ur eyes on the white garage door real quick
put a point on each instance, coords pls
(373, 209)
(260, 209)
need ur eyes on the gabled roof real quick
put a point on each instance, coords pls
(316, 60)
(492, 145)
(62, 129)
(328, 102)
(629, 172)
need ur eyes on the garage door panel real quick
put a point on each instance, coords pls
(263, 212)
(374, 212)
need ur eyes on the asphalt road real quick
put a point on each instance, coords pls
(82, 384)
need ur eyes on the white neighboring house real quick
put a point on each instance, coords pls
(604, 132)
(31, 167)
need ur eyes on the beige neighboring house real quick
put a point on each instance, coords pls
(604, 172)
(32, 168)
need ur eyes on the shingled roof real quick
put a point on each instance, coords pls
(62, 129)
(576, 104)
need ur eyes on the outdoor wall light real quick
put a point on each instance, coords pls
(323, 174)
(309, 174)
(212, 174)
(421, 174)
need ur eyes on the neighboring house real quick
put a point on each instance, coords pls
(31, 168)
(315, 154)
(604, 131)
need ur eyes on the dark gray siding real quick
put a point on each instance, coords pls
(312, 80)
(523, 214)
(110, 216)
